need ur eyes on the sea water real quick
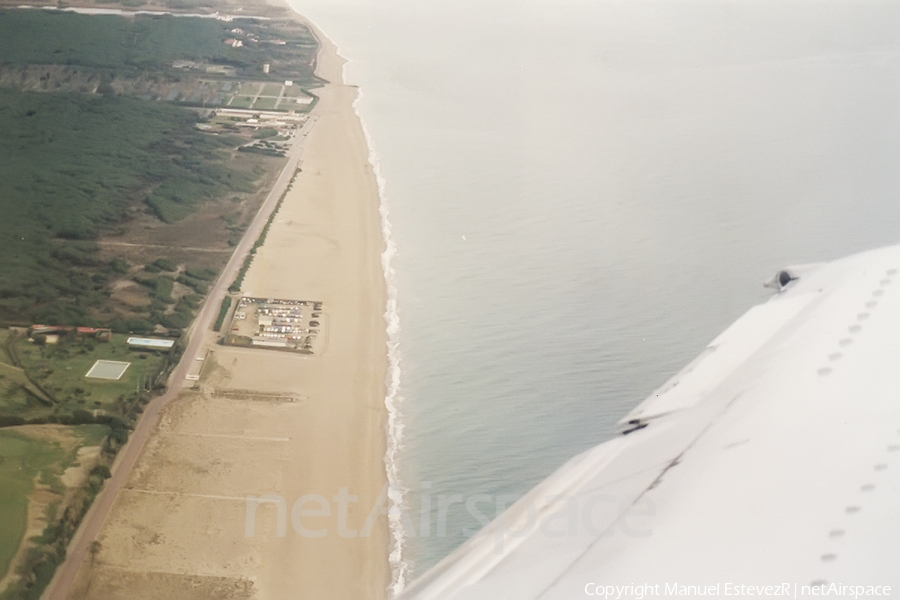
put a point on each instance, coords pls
(582, 194)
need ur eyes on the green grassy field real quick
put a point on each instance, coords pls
(60, 369)
(25, 459)
(291, 104)
(250, 88)
(293, 91)
(17, 393)
(241, 102)
(265, 103)
(22, 460)
(272, 89)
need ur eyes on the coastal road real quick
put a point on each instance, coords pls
(61, 585)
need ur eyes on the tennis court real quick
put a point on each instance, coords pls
(107, 369)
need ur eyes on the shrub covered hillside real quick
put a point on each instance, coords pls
(104, 124)
(73, 164)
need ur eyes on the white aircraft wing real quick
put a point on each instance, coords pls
(773, 459)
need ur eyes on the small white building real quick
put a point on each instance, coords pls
(139, 343)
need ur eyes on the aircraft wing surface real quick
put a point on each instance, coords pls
(773, 459)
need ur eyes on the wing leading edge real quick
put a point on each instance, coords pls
(771, 459)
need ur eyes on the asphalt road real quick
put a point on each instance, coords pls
(79, 547)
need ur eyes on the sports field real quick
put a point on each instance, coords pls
(107, 369)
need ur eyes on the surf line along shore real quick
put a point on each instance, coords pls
(270, 423)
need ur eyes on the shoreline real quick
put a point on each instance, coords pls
(182, 519)
(330, 65)
(393, 427)
(393, 399)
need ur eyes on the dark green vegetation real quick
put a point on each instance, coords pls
(164, 309)
(149, 45)
(72, 166)
(75, 167)
(254, 7)
(159, 57)
(27, 36)
(223, 311)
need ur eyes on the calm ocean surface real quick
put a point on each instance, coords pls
(584, 193)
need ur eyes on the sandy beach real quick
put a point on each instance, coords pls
(303, 432)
